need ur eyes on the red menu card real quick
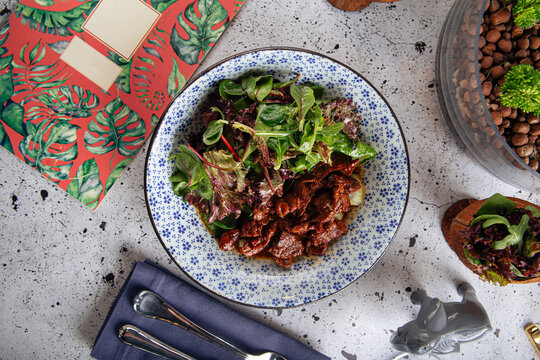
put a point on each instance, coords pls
(84, 82)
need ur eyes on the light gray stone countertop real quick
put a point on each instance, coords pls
(62, 265)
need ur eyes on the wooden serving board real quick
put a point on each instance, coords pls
(354, 5)
(457, 219)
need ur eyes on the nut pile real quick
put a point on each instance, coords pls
(502, 45)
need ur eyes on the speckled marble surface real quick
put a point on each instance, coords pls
(62, 265)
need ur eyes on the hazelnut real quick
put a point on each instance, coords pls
(521, 128)
(535, 130)
(519, 140)
(505, 111)
(493, 36)
(505, 45)
(517, 32)
(525, 150)
(522, 54)
(497, 118)
(523, 44)
(535, 42)
(489, 49)
(493, 6)
(500, 17)
(486, 62)
(481, 41)
(497, 57)
(497, 71)
(486, 88)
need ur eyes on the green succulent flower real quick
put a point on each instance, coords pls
(521, 89)
(526, 13)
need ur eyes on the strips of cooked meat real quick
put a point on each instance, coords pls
(303, 220)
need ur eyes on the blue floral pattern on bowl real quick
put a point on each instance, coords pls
(261, 282)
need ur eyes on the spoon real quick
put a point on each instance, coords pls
(149, 304)
(133, 336)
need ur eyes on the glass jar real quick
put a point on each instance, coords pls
(462, 102)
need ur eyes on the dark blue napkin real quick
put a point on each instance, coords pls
(211, 314)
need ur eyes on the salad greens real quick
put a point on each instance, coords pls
(503, 240)
(259, 133)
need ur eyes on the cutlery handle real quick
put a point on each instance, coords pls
(133, 336)
(149, 304)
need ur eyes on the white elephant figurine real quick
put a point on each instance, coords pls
(440, 327)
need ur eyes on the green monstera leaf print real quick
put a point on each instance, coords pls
(63, 23)
(161, 5)
(34, 81)
(176, 80)
(115, 174)
(86, 186)
(4, 139)
(50, 147)
(72, 101)
(116, 128)
(122, 81)
(199, 39)
(10, 113)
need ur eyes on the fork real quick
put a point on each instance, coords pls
(149, 304)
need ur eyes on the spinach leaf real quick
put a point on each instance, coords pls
(317, 91)
(358, 151)
(281, 85)
(314, 123)
(263, 89)
(230, 88)
(227, 223)
(305, 162)
(239, 104)
(279, 146)
(213, 132)
(331, 130)
(262, 130)
(305, 99)
(273, 114)
(248, 84)
(257, 87)
(190, 175)
(496, 204)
